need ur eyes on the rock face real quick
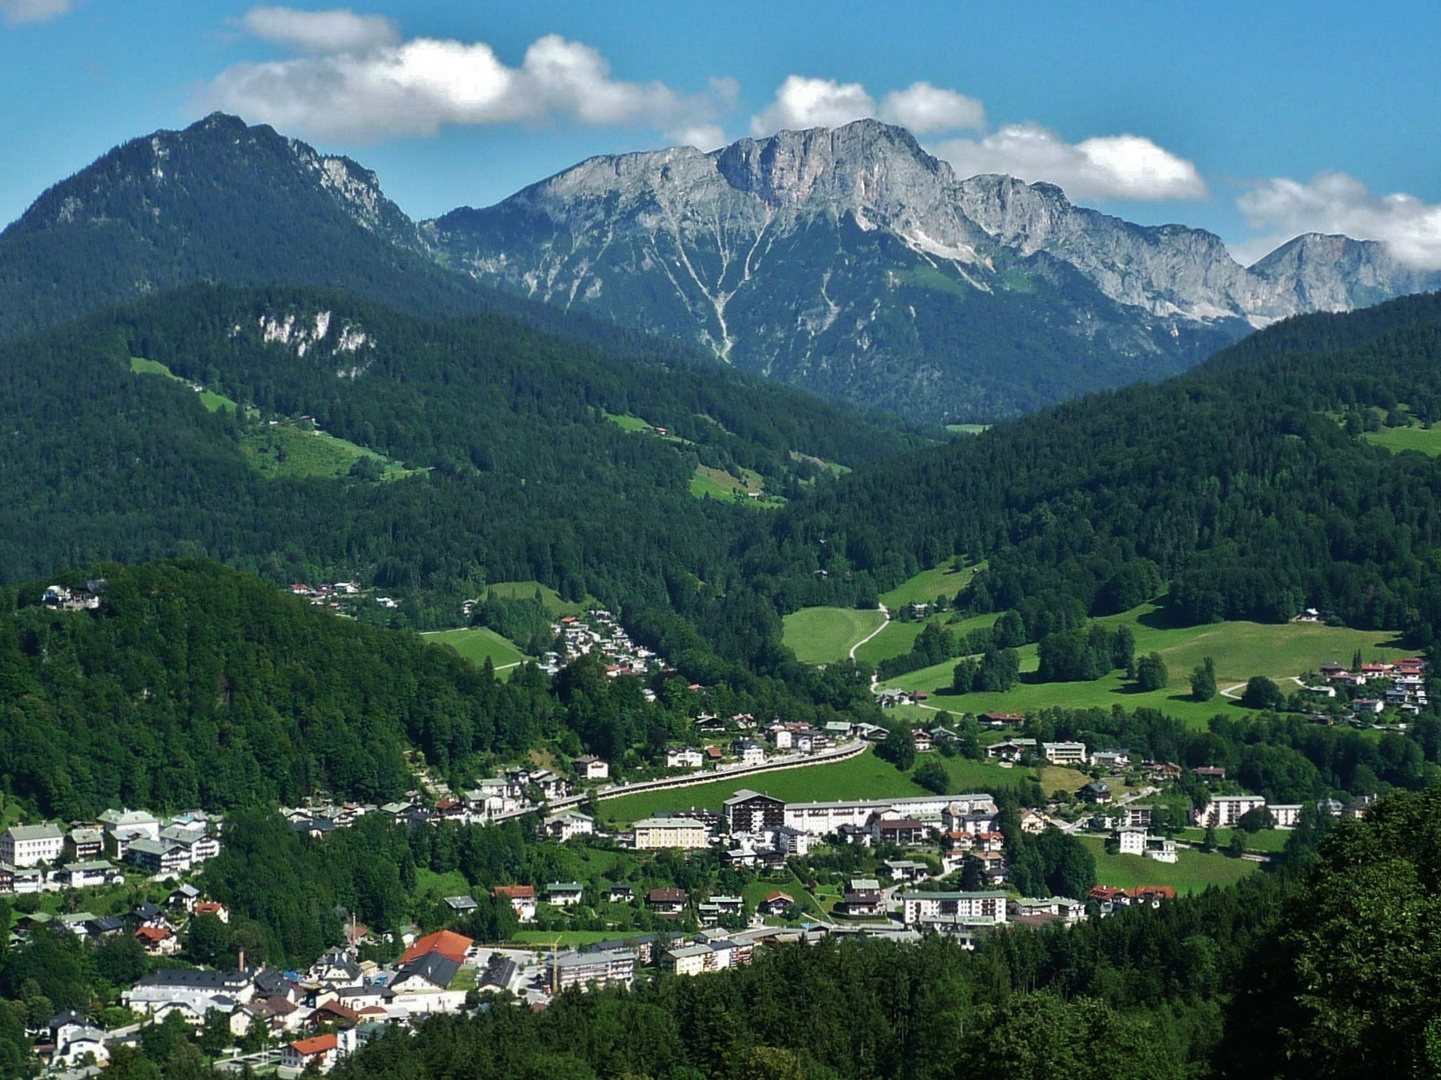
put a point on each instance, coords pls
(851, 261)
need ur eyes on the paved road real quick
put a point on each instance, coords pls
(884, 623)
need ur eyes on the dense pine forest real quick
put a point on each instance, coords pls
(516, 470)
(1244, 484)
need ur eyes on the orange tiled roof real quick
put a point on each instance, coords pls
(449, 944)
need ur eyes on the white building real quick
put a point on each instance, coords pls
(1161, 848)
(939, 909)
(672, 832)
(684, 757)
(824, 818)
(1064, 753)
(591, 767)
(136, 822)
(567, 824)
(1223, 811)
(1132, 841)
(28, 845)
(1286, 815)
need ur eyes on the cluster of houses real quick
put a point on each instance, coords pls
(60, 598)
(599, 633)
(49, 856)
(1402, 685)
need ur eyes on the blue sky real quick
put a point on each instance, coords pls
(1257, 121)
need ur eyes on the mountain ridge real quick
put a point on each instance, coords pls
(677, 241)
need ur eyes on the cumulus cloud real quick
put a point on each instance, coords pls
(321, 31)
(929, 110)
(33, 11)
(807, 103)
(1104, 167)
(1335, 202)
(359, 80)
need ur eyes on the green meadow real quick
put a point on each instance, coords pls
(1193, 872)
(525, 590)
(1426, 440)
(477, 644)
(825, 635)
(1239, 650)
(863, 777)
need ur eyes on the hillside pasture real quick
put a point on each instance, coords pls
(825, 635)
(1195, 871)
(1425, 440)
(478, 644)
(1238, 649)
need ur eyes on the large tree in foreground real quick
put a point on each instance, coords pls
(1350, 982)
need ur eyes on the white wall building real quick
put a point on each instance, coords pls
(1223, 811)
(28, 845)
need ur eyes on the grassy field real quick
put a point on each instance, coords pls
(1193, 873)
(1239, 649)
(547, 938)
(283, 450)
(1408, 438)
(1267, 841)
(966, 429)
(708, 483)
(476, 643)
(525, 590)
(824, 635)
(862, 777)
(627, 422)
(212, 401)
(929, 584)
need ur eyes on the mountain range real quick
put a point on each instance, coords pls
(847, 261)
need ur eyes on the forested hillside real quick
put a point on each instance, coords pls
(519, 466)
(1246, 484)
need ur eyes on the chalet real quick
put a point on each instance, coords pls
(564, 893)
(776, 904)
(183, 897)
(907, 869)
(1012, 749)
(1209, 772)
(621, 893)
(83, 844)
(446, 942)
(923, 742)
(1111, 759)
(864, 898)
(158, 941)
(320, 1052)
(212, 907)
(1000, 719)
(461, 904)
(710, 725)
(667, 901)
(521, 897)
(1032, 822)
(427, 973)
(1097, 791)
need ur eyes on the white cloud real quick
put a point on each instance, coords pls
(321, 31)
(807, 103)
(929, 110)
(359, 80)
(1334, 202)
(1105, 167)
(33, 11)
